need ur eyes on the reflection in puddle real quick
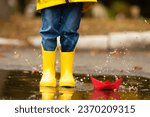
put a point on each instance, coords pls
(105, 95)
(24, 85)
(47, 93)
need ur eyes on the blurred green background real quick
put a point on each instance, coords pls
(18, 17)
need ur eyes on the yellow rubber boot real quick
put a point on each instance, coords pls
(49, 73)
(66, 66)
(48, 93)
(66, 93)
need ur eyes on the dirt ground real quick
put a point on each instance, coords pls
(21, 27)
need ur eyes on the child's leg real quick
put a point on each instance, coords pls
(50, 27)
(49, 32)
(70, 22)
(69, 36)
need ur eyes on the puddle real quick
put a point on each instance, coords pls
(24, 85)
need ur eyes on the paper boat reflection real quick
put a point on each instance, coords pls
(98, 94)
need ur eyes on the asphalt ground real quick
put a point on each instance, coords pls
(95, 62)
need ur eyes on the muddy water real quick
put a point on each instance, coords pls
(24, 85)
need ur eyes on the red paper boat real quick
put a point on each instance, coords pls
(106, 85)
(97, 94)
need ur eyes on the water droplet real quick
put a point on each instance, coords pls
(88, 75)
(146, 21)
(81, 80)
(15, 52)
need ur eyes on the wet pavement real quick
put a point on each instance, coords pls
(21, 71)
(21, 68)
(94, 62)
(24, 85)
